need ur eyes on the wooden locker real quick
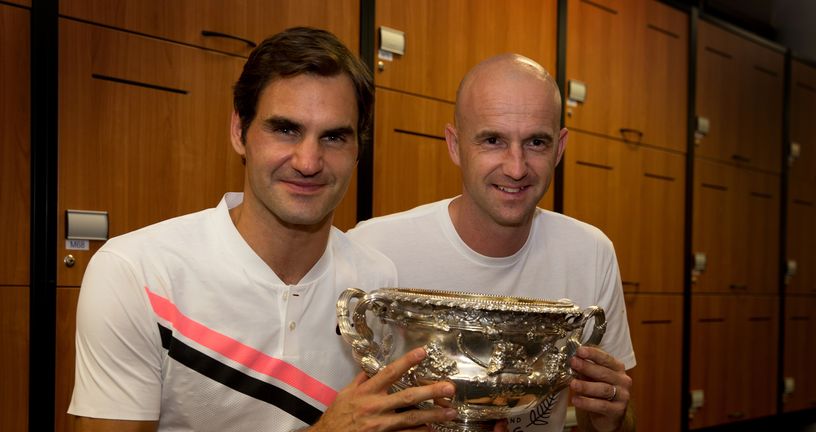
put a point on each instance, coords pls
(656, 327)
(802, 126)
(740, 90)
(760, 139)
(411, 162)
(715, 227)
(758, 218)
(659, 78)
(146, 136)
(752, 385)
(713, 348)
(659, 176)
(597, 37)
(442, 43)
(14, 361)
(632, 56)
(15, 192)
(800, 326)
(15, 151)
(801, 236)
(733, 357)
(718, 91)
(635, 195)
(232, 26)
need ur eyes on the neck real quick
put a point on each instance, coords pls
(289, 250)
(484, 235)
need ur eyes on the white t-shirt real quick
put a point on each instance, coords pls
(562, 258)
(184, 323)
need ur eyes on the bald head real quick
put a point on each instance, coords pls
(503, 68)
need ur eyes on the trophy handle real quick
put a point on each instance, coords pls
(594, 338)
(358, 335)
(599, 327)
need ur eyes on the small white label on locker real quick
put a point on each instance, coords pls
(571, 103)
(385, 55)
(77, 244)
(392, 40)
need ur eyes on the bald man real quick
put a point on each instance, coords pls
(493, 239)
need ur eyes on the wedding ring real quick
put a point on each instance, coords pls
(614, 393)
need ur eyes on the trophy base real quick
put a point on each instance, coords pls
(459, 426)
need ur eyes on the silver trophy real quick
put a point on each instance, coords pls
(504, 355)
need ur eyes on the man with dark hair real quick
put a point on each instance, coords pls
(224, 319)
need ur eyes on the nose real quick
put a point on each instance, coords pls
(307, 157)
(515, 162)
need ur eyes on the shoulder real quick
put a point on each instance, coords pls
(552, 225)
(359, 254)
(394, 223)
(180, 232)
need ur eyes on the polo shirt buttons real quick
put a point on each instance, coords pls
(292, 325)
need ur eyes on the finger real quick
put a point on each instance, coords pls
(501, 426)
(395, 370)
(419, 418)
(600, 357)
(594, 372)
(597, 390)
(414, 395)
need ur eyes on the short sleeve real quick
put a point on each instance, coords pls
(118, 347)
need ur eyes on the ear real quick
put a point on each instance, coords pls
(235, 135)
(562, 144)
(453, 143)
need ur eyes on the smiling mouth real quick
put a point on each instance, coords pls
(511, 189)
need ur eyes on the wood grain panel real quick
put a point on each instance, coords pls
(658, 99)
(733, 347)
(656, 326)
(596, 37)
(146, 137)
(714, 229)
(659, 177)
(718, 91)
(740, 90)
(800, 326)
(15, 151)
(763, 90)
(753, 382)
(760, 230)
(802, 126)
(633, 58)
(443, 41)
(254, 20)
(711, 347)
(14, 338)
(67, 299)
(801, 236)
(411, 161)
(636, 196)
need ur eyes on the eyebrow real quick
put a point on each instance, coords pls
(492, 133)
(277, 122)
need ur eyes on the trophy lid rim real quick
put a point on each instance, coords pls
(481, 301)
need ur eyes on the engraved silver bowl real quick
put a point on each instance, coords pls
(504, 355)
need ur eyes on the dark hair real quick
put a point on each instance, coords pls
(296, 51)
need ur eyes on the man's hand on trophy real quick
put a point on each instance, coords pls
(601, 390)
(367, 405)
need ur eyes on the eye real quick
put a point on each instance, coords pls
(284, 130)
(492, 140)
(539, 144)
